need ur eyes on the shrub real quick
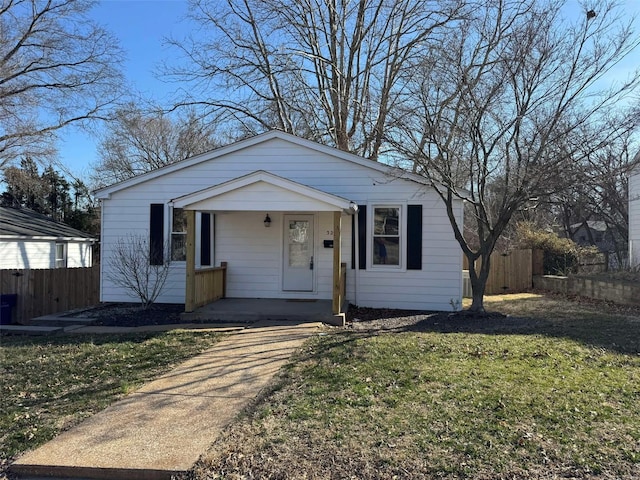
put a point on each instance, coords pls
(561, 255)
(132, 268)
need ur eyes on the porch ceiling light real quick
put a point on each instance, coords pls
(267, 221)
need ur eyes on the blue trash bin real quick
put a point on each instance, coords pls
(7, 302)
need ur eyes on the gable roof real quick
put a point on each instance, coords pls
(234, 194)
(23, 223)
(596, 225)
(105, 192)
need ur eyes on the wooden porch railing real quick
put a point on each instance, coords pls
(210, 285)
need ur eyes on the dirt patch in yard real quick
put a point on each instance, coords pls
(372, 319)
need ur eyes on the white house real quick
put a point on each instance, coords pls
(284, 213)
(32, 240)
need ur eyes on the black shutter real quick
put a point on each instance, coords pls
(205, 239)
(156, 234)
(362, 238)
(414, 237)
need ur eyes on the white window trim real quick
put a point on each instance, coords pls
(171, 233)
(65, 253)
(402, 206)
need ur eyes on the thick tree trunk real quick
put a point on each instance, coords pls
(478, 282)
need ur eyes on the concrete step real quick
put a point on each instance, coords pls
(60, 321)
(29, 330)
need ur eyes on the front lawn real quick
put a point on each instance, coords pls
(49, 384)
(557, 399)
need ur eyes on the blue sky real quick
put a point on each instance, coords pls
(141, 26)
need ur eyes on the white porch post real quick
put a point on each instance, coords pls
(337, 237)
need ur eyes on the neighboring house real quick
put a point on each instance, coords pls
(272, 207)
(594, 232)
(32, 240)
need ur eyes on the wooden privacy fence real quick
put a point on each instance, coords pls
(512, 272)
(47, 291)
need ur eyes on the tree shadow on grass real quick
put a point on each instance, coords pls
(77, 339)
(600, 329)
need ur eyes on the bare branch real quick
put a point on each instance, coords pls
(56, 68)
(505, 110)
(130, 267)
(321, 69)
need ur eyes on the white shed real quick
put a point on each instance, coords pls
(285, 215)
(31, 240)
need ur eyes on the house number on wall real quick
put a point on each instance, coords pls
(329, 232)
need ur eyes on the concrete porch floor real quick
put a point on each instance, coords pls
(255, 309)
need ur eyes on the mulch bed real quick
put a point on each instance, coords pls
(133, 315)
(373, 319)
(358, 318)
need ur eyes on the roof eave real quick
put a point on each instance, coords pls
(399, 173)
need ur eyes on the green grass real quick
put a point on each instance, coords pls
(50, 384)
(560, 401)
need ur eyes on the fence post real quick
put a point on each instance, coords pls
(537, 263)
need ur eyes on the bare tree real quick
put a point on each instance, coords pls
(137, 142)
(489, 117)
(328, 70)
(131, 266)
(601, 192)
(56, 68)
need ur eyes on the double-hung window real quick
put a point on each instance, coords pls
(61, 255)
(178, 235)
(387, 227)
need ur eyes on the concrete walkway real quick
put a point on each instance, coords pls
(165, 426)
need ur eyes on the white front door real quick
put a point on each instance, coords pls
(297, 271)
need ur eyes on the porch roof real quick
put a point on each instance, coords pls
(263, 191)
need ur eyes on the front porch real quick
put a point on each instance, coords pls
(292, 257)
(248, 310)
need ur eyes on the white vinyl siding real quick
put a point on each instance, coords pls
(79, 255)
(254, 253)
(22, 254)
